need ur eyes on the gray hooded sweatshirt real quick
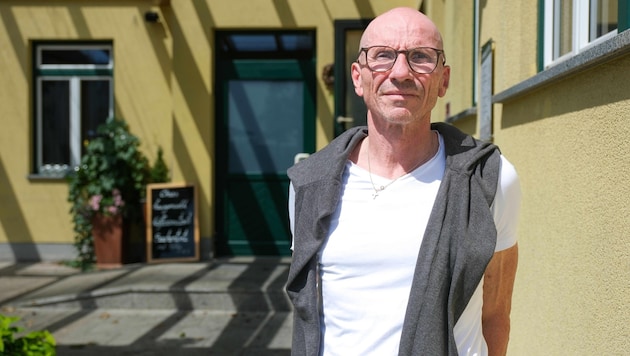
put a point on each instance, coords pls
(458, 244)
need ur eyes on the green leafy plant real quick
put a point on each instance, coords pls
(110, 180)
(34, 343)
(159, 170)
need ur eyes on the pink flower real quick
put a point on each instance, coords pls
(95, 202)
(118, 202)
(108, 206)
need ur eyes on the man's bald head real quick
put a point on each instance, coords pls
(399, 24)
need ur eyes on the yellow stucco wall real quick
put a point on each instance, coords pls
(569, 144)
(513, 26)
(458, 48)
(35, 210)
(163, 87)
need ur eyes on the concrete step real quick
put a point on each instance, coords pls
(234, 285)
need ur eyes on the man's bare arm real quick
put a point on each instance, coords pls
(497, 299)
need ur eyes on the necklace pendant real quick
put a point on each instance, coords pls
(377, 190)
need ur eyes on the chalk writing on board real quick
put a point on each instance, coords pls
(173, 222)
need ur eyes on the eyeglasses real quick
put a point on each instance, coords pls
(422, 60)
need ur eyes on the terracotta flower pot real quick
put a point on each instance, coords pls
(108, 240)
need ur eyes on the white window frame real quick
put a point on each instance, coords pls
(75, 74)
(43, 47)
(75, 121)
(581, 30)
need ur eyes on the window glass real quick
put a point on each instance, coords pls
(603, 17)
(75, 56)
(563, 27)
(264, 134)
(94, 105)
(254, 43)
(296, 42)
(250, 42)
(55, 148)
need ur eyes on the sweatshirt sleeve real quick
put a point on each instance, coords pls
(506, 206)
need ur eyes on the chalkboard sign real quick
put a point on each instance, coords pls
(172, 228)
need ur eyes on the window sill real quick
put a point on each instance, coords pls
(34, 177)
(603, 52)
(470, 112)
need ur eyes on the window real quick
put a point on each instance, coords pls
(73, 95)
(572, 25)
(282, 44)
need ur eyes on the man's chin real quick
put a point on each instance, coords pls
(400, 115)
(399, 120)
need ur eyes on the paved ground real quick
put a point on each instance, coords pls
(223, 307)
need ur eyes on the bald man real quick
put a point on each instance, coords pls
(404, 231)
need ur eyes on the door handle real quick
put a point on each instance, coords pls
(345, 120)
(300, 156)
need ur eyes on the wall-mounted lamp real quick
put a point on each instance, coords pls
(151, 16)
(328, 75)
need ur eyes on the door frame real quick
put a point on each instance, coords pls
(233, 64)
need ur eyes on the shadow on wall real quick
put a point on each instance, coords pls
(13, 223)
(576, 93)
(11, 219)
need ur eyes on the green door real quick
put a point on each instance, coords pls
(266, 118)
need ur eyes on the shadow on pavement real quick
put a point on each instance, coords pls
(258, 323)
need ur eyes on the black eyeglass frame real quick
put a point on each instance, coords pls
(440, 52)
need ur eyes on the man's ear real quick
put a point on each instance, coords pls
(355, 72)
(446, 77)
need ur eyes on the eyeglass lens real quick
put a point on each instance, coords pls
(421, 60)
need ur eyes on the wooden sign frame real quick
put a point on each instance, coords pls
(175, 222)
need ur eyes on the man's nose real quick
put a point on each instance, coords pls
(401, 67)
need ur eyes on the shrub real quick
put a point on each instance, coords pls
(159, 170)
(111, 179)
(35, 343)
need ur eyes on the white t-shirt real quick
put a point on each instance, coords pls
(368, 260)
